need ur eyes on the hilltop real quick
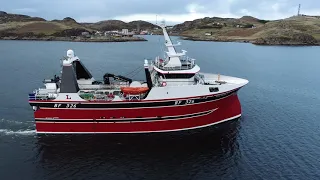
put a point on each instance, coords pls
(5, 18)
(26, 26)
(297, 30)
(23, 27)
(110, 25)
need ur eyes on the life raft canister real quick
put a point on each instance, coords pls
(134, 90)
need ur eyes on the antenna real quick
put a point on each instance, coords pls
(299, 9)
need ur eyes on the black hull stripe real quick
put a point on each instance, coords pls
(127, 120)
(133, 105)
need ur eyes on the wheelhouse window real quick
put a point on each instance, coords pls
(176, 76)
(213, 89)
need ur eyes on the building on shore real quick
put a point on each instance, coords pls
(111, 33)
(86, 34)
(125, 32)
(145, 32)
(117, 33)
(98, 33)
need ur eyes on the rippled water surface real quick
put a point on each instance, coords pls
(276, 138)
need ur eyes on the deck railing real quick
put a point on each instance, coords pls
(186, 64)
(34, 96)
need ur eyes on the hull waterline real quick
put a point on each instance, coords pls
(140, 120)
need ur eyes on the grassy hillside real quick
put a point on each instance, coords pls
(16, 26)
(298, 30)
(26, 26)
(5, 18)
(110, 25)
(107, 25)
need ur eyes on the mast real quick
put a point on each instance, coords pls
(173, 56)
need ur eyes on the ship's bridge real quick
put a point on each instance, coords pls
(186, 64)
(174, 62)
(176, 68)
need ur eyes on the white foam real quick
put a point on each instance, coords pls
(18, 132)
(11, 121)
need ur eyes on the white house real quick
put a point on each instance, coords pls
(125, 31)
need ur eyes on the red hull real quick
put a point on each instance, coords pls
(173, 118)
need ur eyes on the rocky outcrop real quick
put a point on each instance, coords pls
(215, 23)
(296, 30)
(216, 39)
(143, 25)
(4, 35)
(288, 37)
(68, 21)
(69, 32)
(35, 37)
(110, 25)
(5, 17)
(23, 27)
(2, 13)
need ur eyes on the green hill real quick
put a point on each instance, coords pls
(110, 25)
(26, 26)
(297, 30)
(23, 27)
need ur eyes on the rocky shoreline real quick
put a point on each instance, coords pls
(77, 39)
(272, 41)
(215, 39)
(291, 31)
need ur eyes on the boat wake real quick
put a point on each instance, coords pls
(17, 132)
(14, 127)
(11, 121)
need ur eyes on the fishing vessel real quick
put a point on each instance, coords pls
(176, 96)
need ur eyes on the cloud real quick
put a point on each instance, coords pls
(245, 12)
(91, 19)
(169, 18)
(192, 11)
(174, 11)
(24, 10)
(194, 8)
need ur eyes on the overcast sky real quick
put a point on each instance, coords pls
(172, 11)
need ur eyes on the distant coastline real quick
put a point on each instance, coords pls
(299, 30)
(261, 41)
(23, 27)
(215, 39)
(79, 39)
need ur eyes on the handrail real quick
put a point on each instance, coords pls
(187, 63)
(39, 97)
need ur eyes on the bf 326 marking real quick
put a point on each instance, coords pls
(66, 106)
(189, 101)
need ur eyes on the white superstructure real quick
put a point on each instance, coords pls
(174, 76)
